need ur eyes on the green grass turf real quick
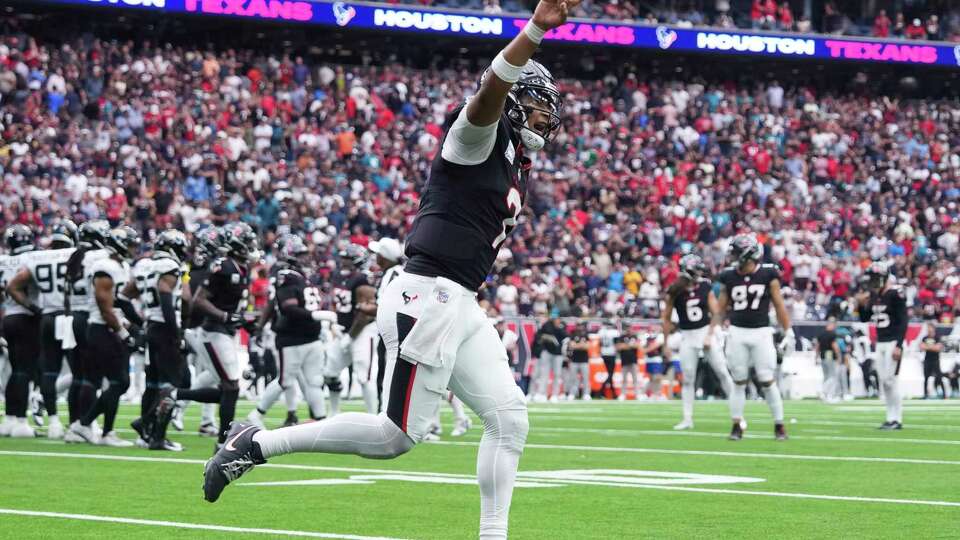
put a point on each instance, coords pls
(568, 436)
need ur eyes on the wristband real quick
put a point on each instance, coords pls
(506, 71)
(534, 33)
(123, 334)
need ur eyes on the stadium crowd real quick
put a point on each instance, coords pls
(916, 22)
(645, 169)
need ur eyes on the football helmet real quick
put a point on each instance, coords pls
(123, 241)
(534, 90)
(877, 274)
(241, 242)
(64, 234)
(294, 252)
(692, 268)
(745, 248)
(172, 243)
(94, 233)
(19, 239)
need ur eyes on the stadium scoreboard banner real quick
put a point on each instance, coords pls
(665, 38)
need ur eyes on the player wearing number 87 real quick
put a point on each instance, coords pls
(747, 290)
(691, 295)
(884, 304)
(436, 334)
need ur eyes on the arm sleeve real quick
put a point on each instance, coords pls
(467, 144)
(168, 310)
(130, 312)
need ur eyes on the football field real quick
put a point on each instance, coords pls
(590, 470)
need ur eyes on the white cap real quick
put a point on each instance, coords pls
(388, 248)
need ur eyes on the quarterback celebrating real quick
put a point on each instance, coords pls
(436, 334)
(748, 288)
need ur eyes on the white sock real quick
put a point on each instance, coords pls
(334, 403)
(207, 412)
(504, 434)
(369, 390)
(64, 382)
(53, 419)
(688, 393)
(772, 395)
(891, 395)
(290, 398)
(315, 400)
(738, 400)
(270, 395)
(367, 435)
(458, 412)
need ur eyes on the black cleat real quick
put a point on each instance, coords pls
(737, 432)
(779, 432)
(162, 412)
(291, 420)
(886, 426)
(896, 426)
(238, 455)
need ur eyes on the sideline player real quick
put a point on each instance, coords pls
(748, 288)
(884, 304)
(43, 274)
(468, 207)
(691, 296)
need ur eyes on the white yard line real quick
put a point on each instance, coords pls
(810, 457)
(180, 525)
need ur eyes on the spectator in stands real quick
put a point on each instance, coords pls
(881, 24)
(916, 30)
(785, 17)
(899, 25)
(933, 28)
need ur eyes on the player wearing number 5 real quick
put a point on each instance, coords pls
(747, 289)
(883, 303)
(692, 297)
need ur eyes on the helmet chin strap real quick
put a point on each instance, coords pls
(531, 140)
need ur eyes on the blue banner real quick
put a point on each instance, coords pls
(408, 19)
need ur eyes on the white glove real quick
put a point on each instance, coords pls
(788, 342)
(324, 316)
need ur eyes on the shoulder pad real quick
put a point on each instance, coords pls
(165, 265)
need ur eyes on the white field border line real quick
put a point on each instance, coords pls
(179, 525)
(761, 455)
(666, 433)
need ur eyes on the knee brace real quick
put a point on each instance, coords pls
(509, 425)
(333, 383)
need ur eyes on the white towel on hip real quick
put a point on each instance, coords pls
(426, 341)
(63, 331)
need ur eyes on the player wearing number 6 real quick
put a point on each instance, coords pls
(883, 303)
(436, 334)
(747, 289)
(692, 297)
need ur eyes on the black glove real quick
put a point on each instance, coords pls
(35, 310)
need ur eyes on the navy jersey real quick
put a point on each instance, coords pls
(294, 324)
(580, 356)
(888, 311)
(467, 211)
(749, 295)
(346, 298)
(628, 355)
(226, 286)
(693, 306)
(198, 276)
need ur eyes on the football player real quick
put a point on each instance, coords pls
(44, 272)
(580, 363)
(691, 298)
(159, 285)
(550, 340)
(356, 309)
(222, 299)
(77, 305)
(747, 290)
(207, 247)
(21, 328)
(883, 303)
(298, 324)
(628, 348)
(266, 339)
(437, 334)
(388, 253)
(109, 335)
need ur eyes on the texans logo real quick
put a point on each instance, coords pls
(407, 298)
(666, 37)
(343, 13)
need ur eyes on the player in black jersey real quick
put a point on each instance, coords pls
(628, 348)
(691, 300)
(356, 312)
(222, 299)
(436, 333)
(884, 304)
(207, 247)
(579, 350)
(747, 290)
